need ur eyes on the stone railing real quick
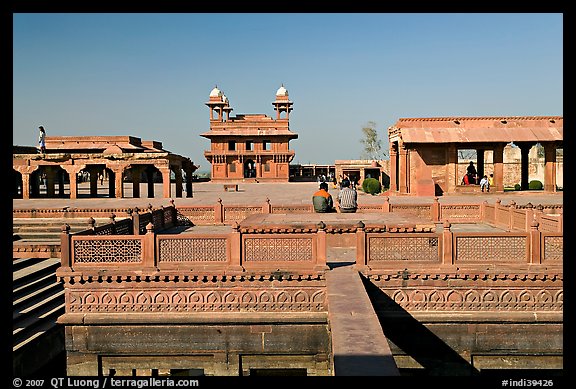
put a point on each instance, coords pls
(515, 218)
(275, 250)
(282, 268)
(450, 251)
(511, 217)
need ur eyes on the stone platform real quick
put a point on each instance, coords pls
(386, 221)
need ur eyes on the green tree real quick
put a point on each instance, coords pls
(372, 144)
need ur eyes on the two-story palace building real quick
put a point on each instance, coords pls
(252, 146)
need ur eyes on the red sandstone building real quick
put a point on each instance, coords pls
(125, 161)
(251, 146)
(424, 151)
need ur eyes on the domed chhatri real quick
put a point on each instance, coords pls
(216, 92)
(282, 91)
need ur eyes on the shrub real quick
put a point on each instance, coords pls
(517, 187)
(371, 186)
(535, 185)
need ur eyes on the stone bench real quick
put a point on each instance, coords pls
(230, 187)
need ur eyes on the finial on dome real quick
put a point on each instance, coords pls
(282, 91)
(216, 92)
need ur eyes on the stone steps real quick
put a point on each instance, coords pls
(37, 302)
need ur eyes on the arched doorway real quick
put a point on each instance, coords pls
(249, 169)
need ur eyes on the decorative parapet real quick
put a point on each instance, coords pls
(472, 292)
(507, 217)
(488, 248)
(460, 212)
(170, 294)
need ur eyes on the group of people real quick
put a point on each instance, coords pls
(471, 178)
(347, 199)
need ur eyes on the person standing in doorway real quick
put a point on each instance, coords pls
(472, 174)
(42, 140)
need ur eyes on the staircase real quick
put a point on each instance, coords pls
(37, 301)
(37, 296)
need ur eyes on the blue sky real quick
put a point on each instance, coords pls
(148, 75)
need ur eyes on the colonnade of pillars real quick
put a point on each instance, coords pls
(400, 166)
(53, 178)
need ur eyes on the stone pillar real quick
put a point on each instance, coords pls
(452, 177)
(393, 165)
(166, 186)
(361, 257)
(435, 210)
(150, 182)
(219, 212)
(148, 249)
(236, 258)
(26, 186)
(447, 252)
(404, 170)
(65, 246)
(511, 208)
(73, 177)
(480, 163)
(118, 182)
(267, 207)
(178, 176)
(189, 192)
(321, 247)
(136, 221)
(93, 171)
(498, 167)
(535, 256)
(61, 183)
(386, 205)
(549, 167)
(136, 172)
(50, 182)
(524, 164)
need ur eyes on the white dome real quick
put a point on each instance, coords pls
(282, 91)
(225, 99)
(215, 92)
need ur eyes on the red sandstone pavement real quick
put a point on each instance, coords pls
(208, 193)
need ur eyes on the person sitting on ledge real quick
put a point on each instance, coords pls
(322, 200)
(347, 198)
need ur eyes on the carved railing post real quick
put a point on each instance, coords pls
(435, 211)
(497, 210)
(321, 246)
(483, 205)
(162, 211)
(535, 256)
(361, 257)
(65, 247)
(447, 250)
(113, 223)
(561, 220)
(386, 205)
(511, 209)
(267, 208)
(529, 216)
(236, 257)
(219, 212)
(136, 221)
(148, 249)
